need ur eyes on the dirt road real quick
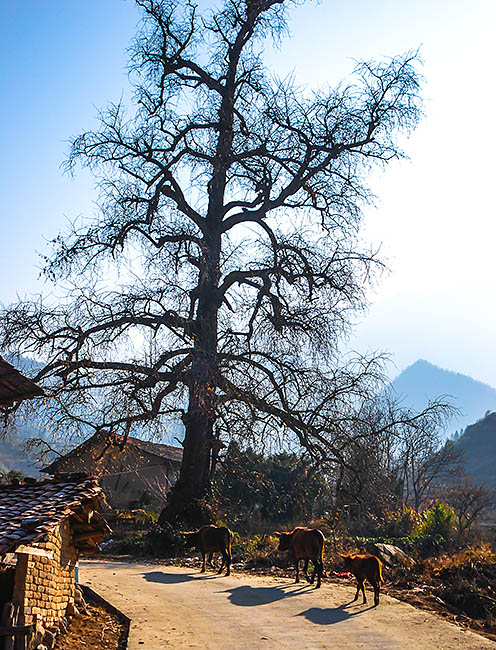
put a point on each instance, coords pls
(175, 607)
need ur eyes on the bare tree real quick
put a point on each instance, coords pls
(469, 501)
(426, 463)
(393, 455)
(230, 203)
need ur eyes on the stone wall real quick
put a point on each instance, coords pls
(44, 587)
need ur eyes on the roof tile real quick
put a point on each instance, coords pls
(29, 510)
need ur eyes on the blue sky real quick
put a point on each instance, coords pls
(435, 221)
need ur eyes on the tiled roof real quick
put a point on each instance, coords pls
(14, 386)
(29, 510)
(157, 448)
(174, 454)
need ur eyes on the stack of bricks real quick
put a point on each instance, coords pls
(44, 586)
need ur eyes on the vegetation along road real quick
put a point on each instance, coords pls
(177, 607)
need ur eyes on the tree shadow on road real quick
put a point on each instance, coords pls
(330, 615)
(175, 578)
(247, 596)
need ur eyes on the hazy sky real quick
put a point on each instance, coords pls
(61, 60)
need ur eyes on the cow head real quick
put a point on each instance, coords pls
(347, 560)
(191, 539)
(284, 541)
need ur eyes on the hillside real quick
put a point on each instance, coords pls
(423, 381)
(13, 455)
(478, 445)
(13, 452)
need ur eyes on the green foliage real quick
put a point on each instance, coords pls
(260, 551)
(401, 523)
(421, 535)
(11, 475)
(152, 516)
(438, 521)
(281, 488)
(164, 541)
(407, 520)
(129, 545)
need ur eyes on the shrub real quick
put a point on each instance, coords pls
(402, 523)
(164, 541)
(129, 545)
(438, 522)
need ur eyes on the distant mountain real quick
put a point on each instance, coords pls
(478, 445)
(13, 454)
(423, 381)
(29, 367)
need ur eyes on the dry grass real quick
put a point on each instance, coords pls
(460, 586)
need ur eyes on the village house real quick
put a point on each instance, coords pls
(14, 387)
(44, 525)
(133, 473)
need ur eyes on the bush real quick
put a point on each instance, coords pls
(401, 523)
(438, 522)
(129, 545)
(164, 541)
(161, 542)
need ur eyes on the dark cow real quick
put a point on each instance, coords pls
(209, 540)
(305, 544)
(365, 567)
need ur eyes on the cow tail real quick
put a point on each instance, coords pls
(379, 563)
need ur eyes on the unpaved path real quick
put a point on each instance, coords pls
(177, 607)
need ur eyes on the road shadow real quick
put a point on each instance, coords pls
(175, 578)
(330, 615)
(247, 596)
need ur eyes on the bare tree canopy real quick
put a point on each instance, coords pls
(223, 266)
(469, 501)
(396, 457)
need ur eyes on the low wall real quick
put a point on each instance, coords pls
(44, 584)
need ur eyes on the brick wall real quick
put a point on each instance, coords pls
(45, 586)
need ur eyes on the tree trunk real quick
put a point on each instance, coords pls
(188, 502)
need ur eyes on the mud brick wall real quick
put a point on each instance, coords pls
(45, 586)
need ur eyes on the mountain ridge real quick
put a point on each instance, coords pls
(423, 381)
(478, 447)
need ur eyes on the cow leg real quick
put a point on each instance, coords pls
(376, 592)
(359, 586)
(228, 562)
(204, 556)
(297, 565)
(312, 578)
(363, 592)
(319, 569)
(305, 569)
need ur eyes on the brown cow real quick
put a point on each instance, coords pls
(365, 567)
(304, 544)
(209, 540)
